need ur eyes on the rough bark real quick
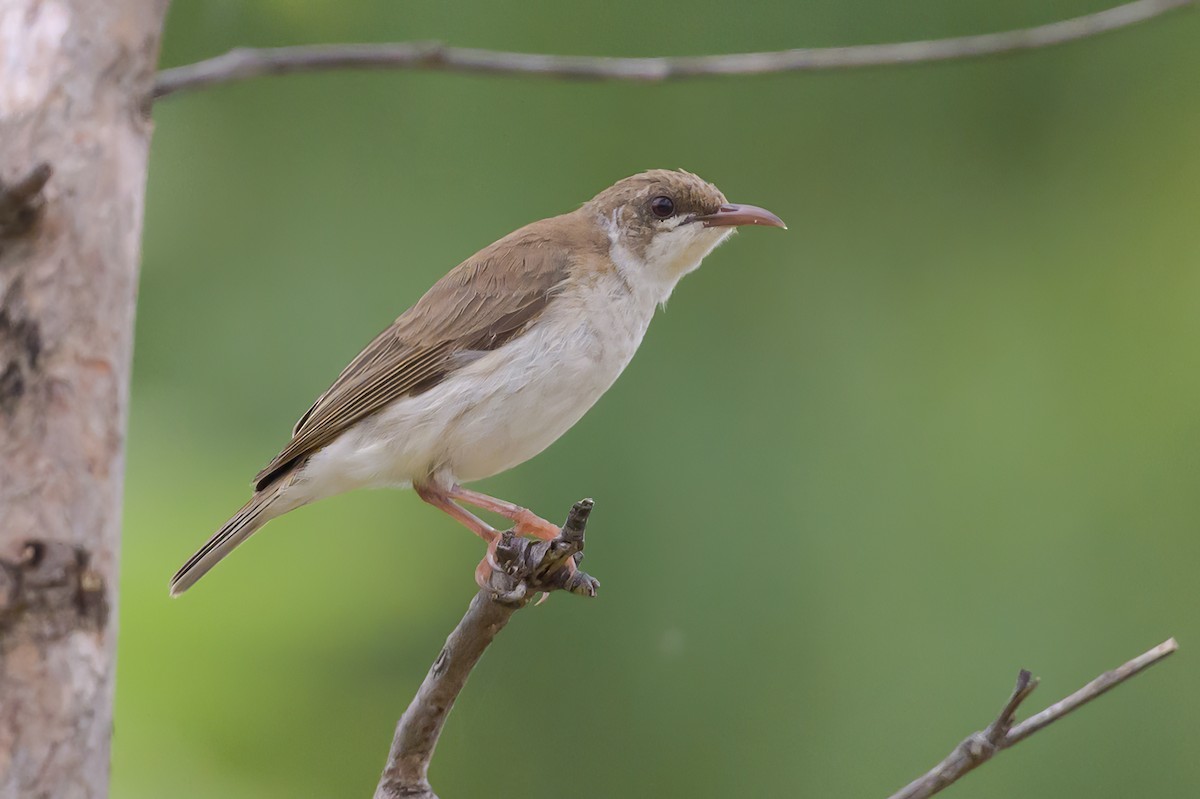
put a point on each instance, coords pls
(73, 78)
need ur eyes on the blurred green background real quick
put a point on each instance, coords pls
(861, 472)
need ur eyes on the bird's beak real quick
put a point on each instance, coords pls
(732, 214)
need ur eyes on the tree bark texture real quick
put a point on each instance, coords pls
(74, 78)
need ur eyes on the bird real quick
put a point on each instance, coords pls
(496, 361)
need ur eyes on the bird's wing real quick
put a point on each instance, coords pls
(479, 306)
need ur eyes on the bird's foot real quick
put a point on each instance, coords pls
(515, 568)
(483, 574)
(529, 523)
(489, 565)
(525, 521)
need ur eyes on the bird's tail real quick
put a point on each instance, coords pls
(253, 515)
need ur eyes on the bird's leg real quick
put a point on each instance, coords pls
(525, 521)
(442, 501)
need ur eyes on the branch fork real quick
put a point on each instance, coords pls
(1004, 731)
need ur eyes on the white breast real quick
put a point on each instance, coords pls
(531, 391)
(502, 409)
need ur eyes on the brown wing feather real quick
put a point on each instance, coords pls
(480, 305)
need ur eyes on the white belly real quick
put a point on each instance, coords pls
(500, 410)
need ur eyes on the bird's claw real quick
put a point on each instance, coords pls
(516, 568)
(582, 584)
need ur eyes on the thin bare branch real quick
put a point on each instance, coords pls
(1002, 733)
(527, 568)
(244, 63)
(1102, 684)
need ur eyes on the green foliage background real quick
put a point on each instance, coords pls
(861, 472)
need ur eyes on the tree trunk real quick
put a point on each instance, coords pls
(75, 76)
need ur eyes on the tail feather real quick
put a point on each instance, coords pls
(253, 515)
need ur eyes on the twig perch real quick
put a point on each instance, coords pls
(1003, 732)
(527, 568)
(244, 63)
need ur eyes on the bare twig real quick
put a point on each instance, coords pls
(527, 568)
(1101, 685)
(245, 63)
(1003, 733)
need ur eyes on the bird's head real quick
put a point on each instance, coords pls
(661, 224)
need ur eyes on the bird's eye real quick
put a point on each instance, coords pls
(662, 207)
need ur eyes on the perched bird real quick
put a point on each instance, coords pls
(501, 357)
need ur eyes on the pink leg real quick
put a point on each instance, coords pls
(526, 522)
(442, 502)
